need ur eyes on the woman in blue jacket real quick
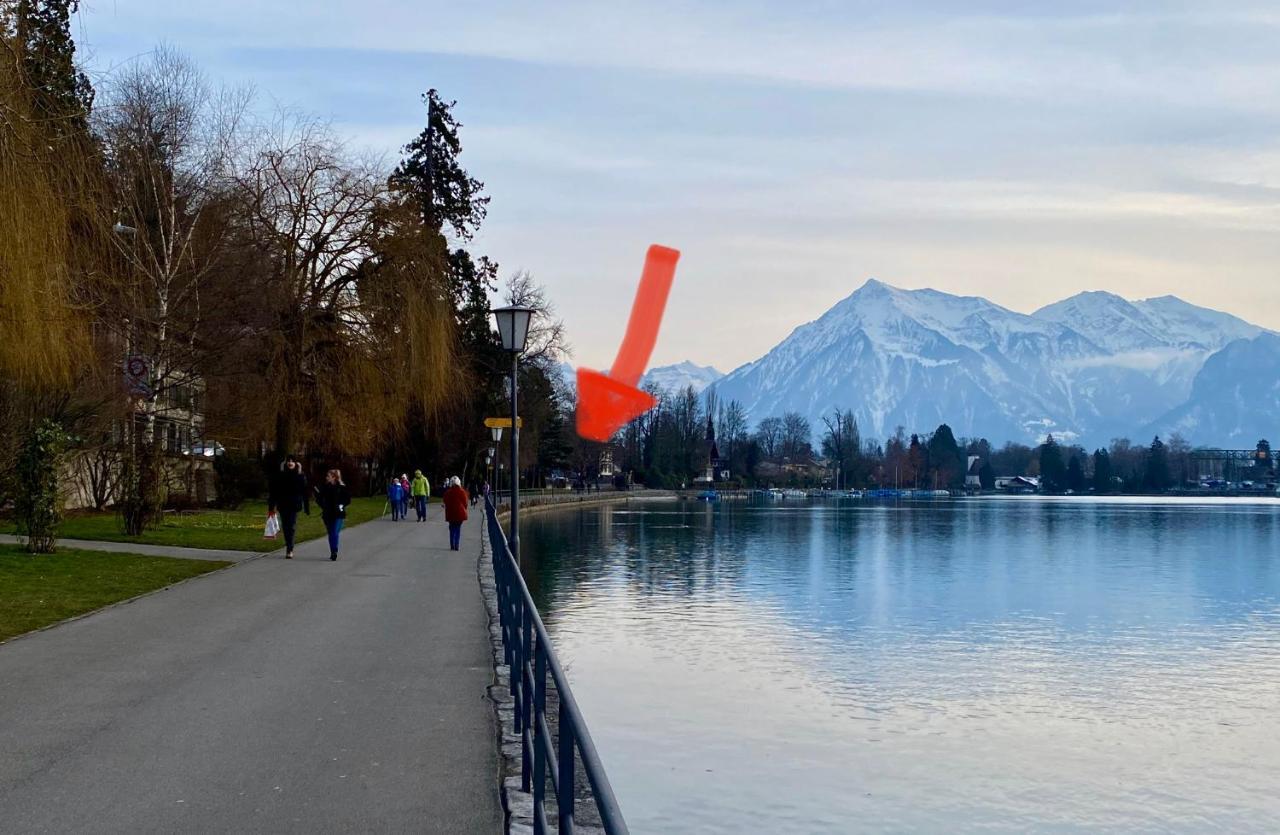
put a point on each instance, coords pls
(395, 497)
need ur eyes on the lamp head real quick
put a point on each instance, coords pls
(513, 327)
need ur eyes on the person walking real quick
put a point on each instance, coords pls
(406, 489)
(455, 511)
(421, 494)
(288, 495)
(395, 498)
(333, 497)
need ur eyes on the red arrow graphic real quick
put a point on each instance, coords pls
(605, 403)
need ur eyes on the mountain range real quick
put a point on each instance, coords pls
(669, 377)
(1086, 369)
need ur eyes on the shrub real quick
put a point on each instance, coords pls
(655, 479)
(239, 477)
(38, 499)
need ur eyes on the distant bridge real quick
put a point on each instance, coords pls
(1231, 464)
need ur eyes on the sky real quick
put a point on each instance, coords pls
(1021, 151)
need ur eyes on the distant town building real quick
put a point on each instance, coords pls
(971, 477)
(1018, 484)
(711, 473)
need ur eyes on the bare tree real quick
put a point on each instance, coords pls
(360, 327)
(169, 140)
(98, 471)
(733, 432)
(796, 436)
(842, 444)
(769, 437)
(547, 343)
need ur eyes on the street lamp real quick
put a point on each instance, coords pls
(495, 432)
(513, 328)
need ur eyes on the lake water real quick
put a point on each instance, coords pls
(982, 664)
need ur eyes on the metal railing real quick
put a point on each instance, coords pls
(530, 657)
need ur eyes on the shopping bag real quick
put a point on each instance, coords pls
(272, 528)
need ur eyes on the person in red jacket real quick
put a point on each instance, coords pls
(455, 511)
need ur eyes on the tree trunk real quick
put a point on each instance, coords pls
(284, 432)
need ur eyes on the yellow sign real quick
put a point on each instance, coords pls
(502, 423)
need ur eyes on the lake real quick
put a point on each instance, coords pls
(1002, 664)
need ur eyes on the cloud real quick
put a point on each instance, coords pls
(1021, 151)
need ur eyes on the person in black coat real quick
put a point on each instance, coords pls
(333, 497)
(288, 495)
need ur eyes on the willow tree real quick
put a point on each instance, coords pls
(360, 328)
(43, 331)
(45, 167)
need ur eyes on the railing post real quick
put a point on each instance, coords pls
(565, 791)
(526, 697)
(513, 651)
(539, 744)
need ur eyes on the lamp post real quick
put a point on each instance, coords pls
(496, 434)
(513, 328)
(488, 468)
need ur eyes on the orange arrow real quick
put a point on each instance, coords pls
(605, 403)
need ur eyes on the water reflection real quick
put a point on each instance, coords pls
(924, 667)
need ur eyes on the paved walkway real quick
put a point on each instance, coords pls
(148, 550)
(277, 696)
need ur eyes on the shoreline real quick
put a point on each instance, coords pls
(542, 505)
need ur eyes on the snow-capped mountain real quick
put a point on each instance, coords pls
(669, 377)
(568, 376)
(1235, 398)
(1087, 368)
(680, 376)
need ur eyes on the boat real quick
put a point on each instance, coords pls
(708, 496)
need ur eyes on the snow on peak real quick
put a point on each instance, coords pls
(1092, 365)
(680, 376)
(1165, 323)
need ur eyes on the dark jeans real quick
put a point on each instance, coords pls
(288, 524)
(395, 509)
(421, 504)
(455, 535)
(334, 527)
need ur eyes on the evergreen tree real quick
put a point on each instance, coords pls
(987, 476)
(945, 460)
(917, 461)
(1075, 475)
(1053, 473)
(1156, 477)
(450, 198)
(447, 195)
(1102, 471)
(61, 95)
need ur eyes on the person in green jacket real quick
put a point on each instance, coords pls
(421, 490)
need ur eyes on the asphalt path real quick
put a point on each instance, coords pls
(277, 696)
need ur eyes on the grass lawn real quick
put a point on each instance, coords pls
(234, 530)
(37, 590)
